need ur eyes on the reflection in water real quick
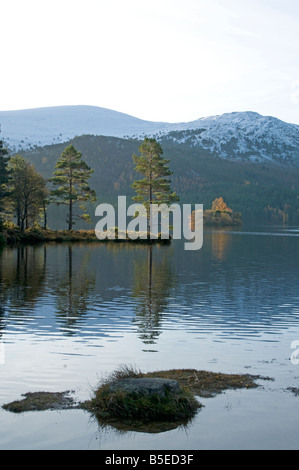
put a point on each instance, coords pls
(220, 244)
(130, 426)
(22, 276)
(2, 298)
(73, 289)
(153, 281)
(235, 286)
(22, 279)
(231, 306)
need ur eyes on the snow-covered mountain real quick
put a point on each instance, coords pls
(243, 135)
(27, 128)
(238, 135)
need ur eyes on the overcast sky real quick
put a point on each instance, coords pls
(159, 60)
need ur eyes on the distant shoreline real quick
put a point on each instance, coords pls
(32, 236)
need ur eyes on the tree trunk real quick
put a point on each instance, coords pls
(26, 214)
(71, 215)
(150, 203)
(45, 215)
(18, 216)
(71, 203)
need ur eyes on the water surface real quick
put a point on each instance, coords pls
(71, 313)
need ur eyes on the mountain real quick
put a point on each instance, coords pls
(263, 192)
(243, 136)
(252, 161)
(28, 128)
(246, 136)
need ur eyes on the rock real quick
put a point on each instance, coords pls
(146, 386)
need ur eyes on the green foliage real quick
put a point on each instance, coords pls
(154, 188)
(262, 192)
(27, 192)
(3, 176)
(70, 178)
(129, 406)
(221, 219)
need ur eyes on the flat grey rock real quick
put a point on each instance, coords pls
(146, 386)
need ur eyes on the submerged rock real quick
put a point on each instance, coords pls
(146, 386)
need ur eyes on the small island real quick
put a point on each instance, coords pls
(219, 216)
(12, 235)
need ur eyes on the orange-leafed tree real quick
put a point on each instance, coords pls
(219, 205)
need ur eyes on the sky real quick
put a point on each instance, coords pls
(158, 60)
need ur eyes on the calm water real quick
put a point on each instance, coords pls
(71, 314)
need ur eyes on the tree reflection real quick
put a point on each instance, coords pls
(73, 290)
(22, 276)
(2, 299)
(154, 279)
(220, 244)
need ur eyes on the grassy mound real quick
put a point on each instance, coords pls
(41, 401)
(119, 404)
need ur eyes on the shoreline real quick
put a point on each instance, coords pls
(13, 237)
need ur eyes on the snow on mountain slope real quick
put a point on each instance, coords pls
(244, 135)
(238, 135)
(46, 126)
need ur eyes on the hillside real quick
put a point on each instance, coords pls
(25, 129)
(263, 192)
(245, 136)
(252, 161)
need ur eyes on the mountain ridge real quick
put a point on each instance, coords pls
(238, 135)
(48, 125)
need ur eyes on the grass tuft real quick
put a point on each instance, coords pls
(123, 405)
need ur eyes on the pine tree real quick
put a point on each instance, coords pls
(70, 178)
(154, 188)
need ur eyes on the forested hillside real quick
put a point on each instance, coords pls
(263, 193)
